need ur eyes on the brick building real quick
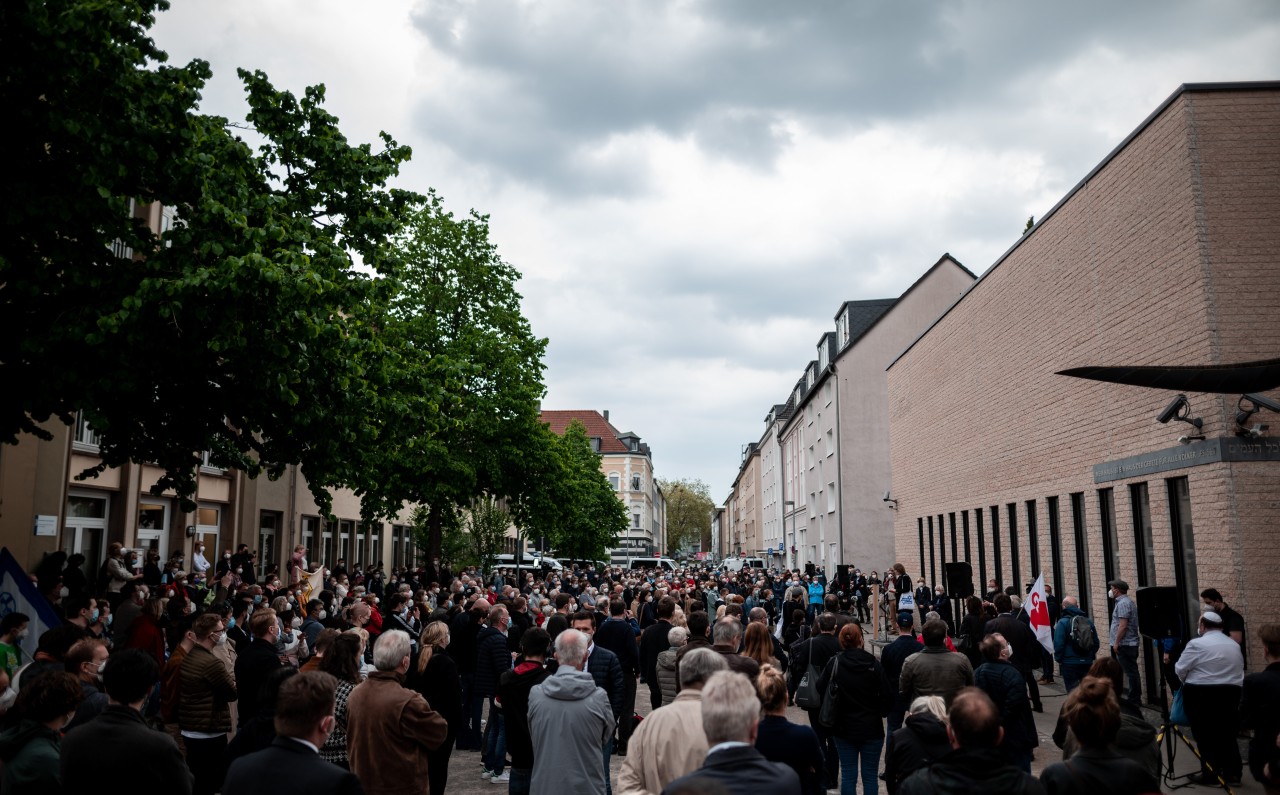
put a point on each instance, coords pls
(1164, 254)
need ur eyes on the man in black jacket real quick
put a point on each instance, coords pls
(120, 733)
(492, 660)
(816, 652)
(256, 661)
(616, 635)
(513, 692)
(731, 717)
(653, 641)
(1026, 649)
(1003, 684)
(304, 719)
(605, 669)
(463, 631)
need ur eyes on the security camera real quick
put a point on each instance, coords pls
(1171, 411)
(1264, 402)
(886, 496)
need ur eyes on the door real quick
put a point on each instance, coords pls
(153, 528)
(85, 531)
(209, 526)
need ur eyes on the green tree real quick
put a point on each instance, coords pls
(246, 329)
(573, 507)
(1031, 221)
(456, 324)
(689, 511)
(487, 525)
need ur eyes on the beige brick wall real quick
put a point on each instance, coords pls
(1165, 255)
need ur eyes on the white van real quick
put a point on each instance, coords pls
(736, 565)
(665, 564)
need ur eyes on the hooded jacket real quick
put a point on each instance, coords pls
(967, 771)
(30, 754)
(570, 720)
(514, 687)
(1136, 739)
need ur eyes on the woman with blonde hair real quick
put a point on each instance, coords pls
(435, 675)
(780, 740)
(920, 742)
(759, 645)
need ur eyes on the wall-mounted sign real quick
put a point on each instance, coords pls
(46, 525)
(1209, 451)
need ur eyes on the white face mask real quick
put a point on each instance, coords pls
(64, 592)
(222, 639)
(1008, 651)
(297, 622)
(321, 615)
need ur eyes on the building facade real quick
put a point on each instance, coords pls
(1163, 255)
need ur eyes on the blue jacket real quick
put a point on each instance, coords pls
(1064, 650)
(816, 592)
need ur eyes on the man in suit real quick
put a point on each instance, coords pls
(606, 671)
(730, 719)
(119, 732)
(1026, 649)
(255, 662)
(304, 719)
(653, 641)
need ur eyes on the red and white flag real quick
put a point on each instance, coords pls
(1038, 611)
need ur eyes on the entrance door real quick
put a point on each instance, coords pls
(153, 527)
(85, 531)
(208, 526)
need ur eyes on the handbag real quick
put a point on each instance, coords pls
(831, 699)
(1177, 711)
(807, 695)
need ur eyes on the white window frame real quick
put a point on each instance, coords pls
(84, 438)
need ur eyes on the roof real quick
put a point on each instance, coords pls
(1185, 88)
(594, 422)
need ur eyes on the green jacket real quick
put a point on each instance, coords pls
(207, 690)
(30, 754)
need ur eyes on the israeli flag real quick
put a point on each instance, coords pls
(18, 594)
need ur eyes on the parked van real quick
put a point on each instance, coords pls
(665, 564)
(736, 565)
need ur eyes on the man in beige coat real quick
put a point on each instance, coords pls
(670, 742)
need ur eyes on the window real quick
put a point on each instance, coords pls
(268, 533)
(635, 483)
(119, 248)
(207, 465)
(1016, 582)
(1184, 546)
(310, 526)
(964, 524)
(208, 525)
(1055, 547)
(1110, 545)
(920, 530)
(1033, 539)
(996, 552)
(345, 551)
(831, 497)
(813, 505)
(942, 552)
(809, 458)
(635, 520)
(595, 444)
(951, 520)
(831, 443)
(86, 438)
(1142, 542)
(982, 550)
(933, 563)
(1082, 549)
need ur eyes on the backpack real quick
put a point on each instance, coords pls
(1082, 635)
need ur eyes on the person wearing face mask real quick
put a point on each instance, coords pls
(924, 599)
(941, 605)
(13, 628)
(199, 562)
(313, 624)
(203, 712)
(398, 618)
(257, 660)
(30, 750)
(1005, 685)
(84, 660)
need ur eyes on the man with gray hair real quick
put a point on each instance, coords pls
(726, 638)
(670, 742)
(570, 721)
(730, 718)
(390, 728)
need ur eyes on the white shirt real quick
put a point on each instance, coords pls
(1211, 659)
(200, 562)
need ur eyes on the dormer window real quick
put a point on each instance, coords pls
(595, 444)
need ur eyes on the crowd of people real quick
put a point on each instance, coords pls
(230, 676)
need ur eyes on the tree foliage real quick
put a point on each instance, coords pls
(246, 328)
(487, 525)
(573, 506)
(689, 512)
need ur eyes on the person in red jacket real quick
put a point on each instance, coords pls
(145, 632)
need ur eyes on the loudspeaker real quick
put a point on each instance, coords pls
(959, 580)
(842, 576)
(809, 569)
(1161, 613)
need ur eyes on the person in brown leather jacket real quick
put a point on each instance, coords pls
(203, 712)
(390, 728)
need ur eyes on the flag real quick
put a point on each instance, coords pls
(18, 594)
(777, 629)
(1038, 611)
(312, 583)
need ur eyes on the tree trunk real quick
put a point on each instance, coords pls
(434, 533)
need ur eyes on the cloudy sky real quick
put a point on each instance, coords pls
(691, 189)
